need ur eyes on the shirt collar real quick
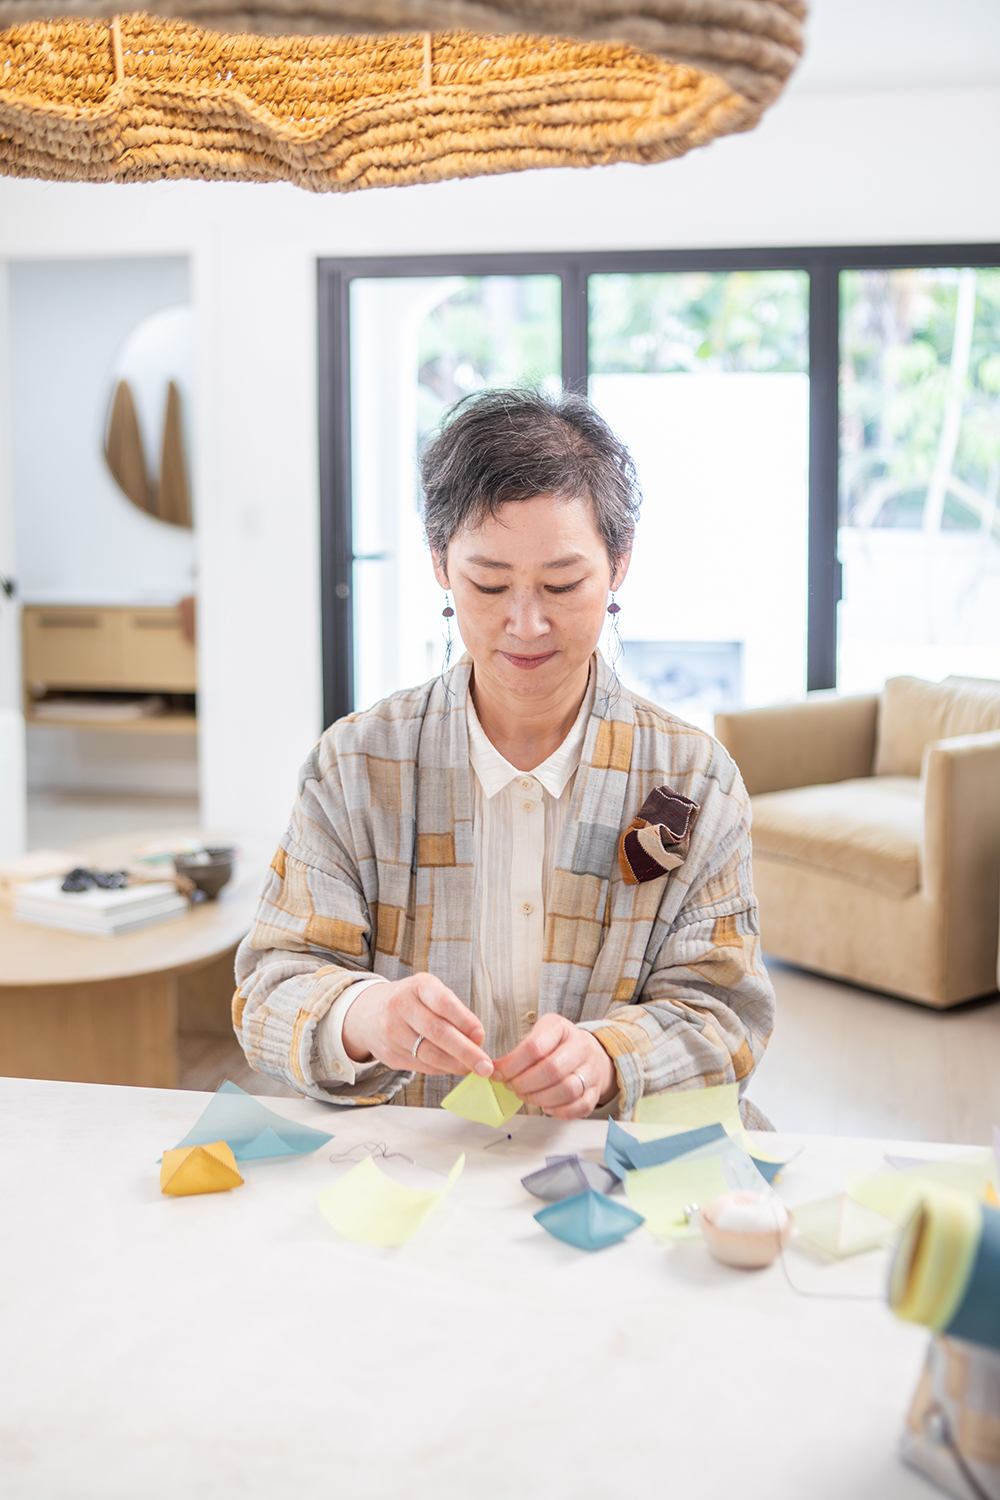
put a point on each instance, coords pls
(495, 773)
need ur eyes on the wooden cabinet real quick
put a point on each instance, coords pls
(108, 650)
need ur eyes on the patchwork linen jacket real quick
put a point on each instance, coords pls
(375, 874)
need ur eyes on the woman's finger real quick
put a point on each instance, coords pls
(544, 1037)
(431, 1059)
(445, 1003)
(464, 1055)
(551, 1072)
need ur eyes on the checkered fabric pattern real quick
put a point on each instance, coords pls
(667, 973)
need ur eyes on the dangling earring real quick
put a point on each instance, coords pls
(448, 613)
(615, 653)
(614, 610)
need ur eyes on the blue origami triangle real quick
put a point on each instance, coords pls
(567, 1176)
(623, 1153)
(590, 1221)
(250, 1130)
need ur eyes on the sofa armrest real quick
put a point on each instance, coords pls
(961, 853)
(824, 739)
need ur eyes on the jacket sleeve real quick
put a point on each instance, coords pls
(311, 939)
(704, 1006)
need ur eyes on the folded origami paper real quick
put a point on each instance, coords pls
(485, 1100)
(946, 1273)
(566, 1176)
(896, 1194)
(688, 1109)
(623, 1153)
(590, 1221)
(251, 1130)
(367, 1205)
(199, 1169)
(665, 1196)
(840, 1227)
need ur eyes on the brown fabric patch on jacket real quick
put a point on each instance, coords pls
(658, 838)
(335, 936)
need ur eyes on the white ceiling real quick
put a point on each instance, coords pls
(863, 44)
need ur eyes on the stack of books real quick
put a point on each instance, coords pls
(101, 913)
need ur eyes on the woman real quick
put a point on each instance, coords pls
(519, 869)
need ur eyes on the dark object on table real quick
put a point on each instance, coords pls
(208, 870)
(88, 880)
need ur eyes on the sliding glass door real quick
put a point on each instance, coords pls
(730, 375)
(919, 535)
(417, 345)
(705, 377)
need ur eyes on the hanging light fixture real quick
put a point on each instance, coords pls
(376, 93)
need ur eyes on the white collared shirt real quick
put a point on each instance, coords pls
(518, 819)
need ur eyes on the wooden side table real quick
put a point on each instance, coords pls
(109, 1010)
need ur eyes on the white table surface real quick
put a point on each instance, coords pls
(233, 1345)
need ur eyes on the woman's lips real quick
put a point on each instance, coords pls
(528, 663)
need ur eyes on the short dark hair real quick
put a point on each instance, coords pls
(499, 446)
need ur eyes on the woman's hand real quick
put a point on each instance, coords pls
(386, 1019)
(560, 1067)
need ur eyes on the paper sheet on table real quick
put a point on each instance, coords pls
(689, 1109)
(567, 1176)
(896, 1194)
(485, 1100)
(841, 1227)
(589, 1220)
(662, 1194)
(624, 1153)
(367, 1205)
(210, 1168)
(252, 1131)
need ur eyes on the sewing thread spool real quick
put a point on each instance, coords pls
(745, 1229)
(946, 1271)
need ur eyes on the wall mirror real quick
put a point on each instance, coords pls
(146, 436)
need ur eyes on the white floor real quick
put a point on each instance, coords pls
(842, 1061)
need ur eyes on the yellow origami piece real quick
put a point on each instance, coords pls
(664, 1194)
(896, 1194)
(199, 1169)
(367, 1205)
(484, 1100)
(689, 1109)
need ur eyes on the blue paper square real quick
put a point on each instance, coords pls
(623, 1153)
(250, 1130)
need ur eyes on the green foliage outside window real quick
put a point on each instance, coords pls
(753, 322)
(920, 399)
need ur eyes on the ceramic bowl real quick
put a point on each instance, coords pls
(751, 1249)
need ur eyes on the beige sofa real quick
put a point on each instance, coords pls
(876, 834)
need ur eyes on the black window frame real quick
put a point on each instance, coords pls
(823, 264)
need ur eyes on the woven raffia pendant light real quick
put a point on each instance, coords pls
(381, 92)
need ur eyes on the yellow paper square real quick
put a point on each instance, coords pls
(896, 1194)
(662, 1194)
(485, 1100)
(689, 1109)
(369, 1206)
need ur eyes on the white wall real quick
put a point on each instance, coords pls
(896, 166)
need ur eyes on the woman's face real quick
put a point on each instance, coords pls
(531, 590)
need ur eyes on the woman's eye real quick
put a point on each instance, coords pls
(562, 588)
(484, 590)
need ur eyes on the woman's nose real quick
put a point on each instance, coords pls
(527, 620)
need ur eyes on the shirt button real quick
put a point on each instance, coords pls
(338, 1068)
(531, 1016)
(526, 783)
(527, 908)
(527, 806)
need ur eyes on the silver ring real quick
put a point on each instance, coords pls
(584, 1085)
(416, 1046)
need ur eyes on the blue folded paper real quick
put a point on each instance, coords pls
(623, 1153)
(590, 1220)
(250, 1130)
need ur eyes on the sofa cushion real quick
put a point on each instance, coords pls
(913, 713)
(868, 830)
